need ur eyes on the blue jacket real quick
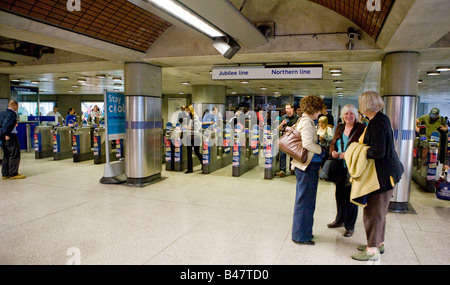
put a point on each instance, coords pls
(8, 120)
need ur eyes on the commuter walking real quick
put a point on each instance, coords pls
(379, 138)
(347, 132)
(10, 142)
(194, 126)
(307, 173)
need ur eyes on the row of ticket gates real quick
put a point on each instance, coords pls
(233, 145)
(77, 143)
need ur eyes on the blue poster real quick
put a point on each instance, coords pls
(115, 112)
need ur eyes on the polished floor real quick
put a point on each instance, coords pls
(61, 214)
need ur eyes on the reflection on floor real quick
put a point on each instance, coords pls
(61, 214)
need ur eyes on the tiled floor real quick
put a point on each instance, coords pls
(61, 214)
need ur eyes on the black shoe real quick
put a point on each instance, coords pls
(348, 233)
(335, 225)
(189, 171)
(304, 242)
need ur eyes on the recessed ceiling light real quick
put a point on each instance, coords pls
(70, 91)
(63, 78)
(443, 68)
(34, 81)
(15, 80)
(117, 84)
(338, 81)
(181, 93)
(117, 79)
(420, 81)
(81, 80)
(433, 73)
(75, 86)
(339, 88)
(263, 88)
(335, 70)
(244, 82)
(340, 93)
(100, 76)
(185, 83)
(336, 74)
(233, 92)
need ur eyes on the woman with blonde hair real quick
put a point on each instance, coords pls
(194, 126)
(379, 138)
(347, 132)
(307, 173)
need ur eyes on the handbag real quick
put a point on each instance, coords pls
(291, 143)
(443, 187)
(333, 169)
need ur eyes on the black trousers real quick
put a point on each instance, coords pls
(347, 212)
(11, 156)
(190, 165)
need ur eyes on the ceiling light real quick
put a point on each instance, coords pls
(117, 84)
(443, 68)
(82, 80)
(420, 81)
(117, 79)
(185, 83)
(34, 81)
(70, 91)
(181, 93)
(100, 76)
(63, 78)
(263, 88)
(233, 92)
(187, 16)
(244, 82)
(336, 74)
(433, 73)
(338, 81)
(335, 70)
(339, 88)
(75, 86)
(340, 93)
(15, 80)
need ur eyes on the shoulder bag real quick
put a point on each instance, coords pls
(291, 143)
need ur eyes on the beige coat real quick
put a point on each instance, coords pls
(362, 172)
(310, 139)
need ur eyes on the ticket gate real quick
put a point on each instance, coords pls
(245, 150)
(62, 143)
(216, 149)
(427, 157)
(176, 150)
(43, 142)
(271, 153)
(81, 145)
(99, 145)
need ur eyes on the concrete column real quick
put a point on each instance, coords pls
(143, 93)
(399, 88)
(4, 87)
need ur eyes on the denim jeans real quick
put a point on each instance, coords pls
(305, 202)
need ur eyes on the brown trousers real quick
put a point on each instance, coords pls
(374, 217)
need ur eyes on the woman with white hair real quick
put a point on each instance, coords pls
(379, 138)
(347, 132)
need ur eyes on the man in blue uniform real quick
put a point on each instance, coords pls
(10, 142)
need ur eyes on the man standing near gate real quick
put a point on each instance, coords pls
(10, 142)
(287, 120)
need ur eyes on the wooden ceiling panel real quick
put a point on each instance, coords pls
(370, 22)
(116, 21)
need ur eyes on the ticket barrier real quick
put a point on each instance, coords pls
(99, 145)
(245, 150)
(62, 143)
(216, 149)
(426, 162)
(271, 153)
(81, 144)
(43, 142)
(176, 150)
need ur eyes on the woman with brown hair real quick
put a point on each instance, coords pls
(307, 173)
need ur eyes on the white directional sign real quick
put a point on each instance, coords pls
(262, 72)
